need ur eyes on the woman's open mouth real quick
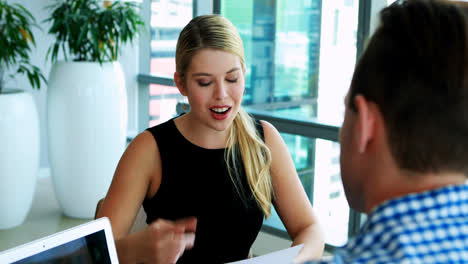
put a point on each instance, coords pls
(220, 113)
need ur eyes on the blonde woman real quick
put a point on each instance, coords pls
(207, 178)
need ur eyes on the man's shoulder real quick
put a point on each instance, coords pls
(427, 227)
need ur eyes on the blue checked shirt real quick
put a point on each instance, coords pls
(427, 227)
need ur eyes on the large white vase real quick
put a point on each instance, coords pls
(87, 126)
(19, 156)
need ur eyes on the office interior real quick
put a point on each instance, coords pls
(300, 58)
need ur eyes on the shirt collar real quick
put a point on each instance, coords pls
(425, 205)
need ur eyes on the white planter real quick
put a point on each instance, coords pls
(19, 156)
(87, 127)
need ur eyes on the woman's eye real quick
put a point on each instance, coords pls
(232, 80)
(204, 83)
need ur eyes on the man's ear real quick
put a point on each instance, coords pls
(366, 117)
(179, 83)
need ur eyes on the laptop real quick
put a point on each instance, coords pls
(91, 242)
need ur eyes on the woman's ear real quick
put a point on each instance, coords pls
(180, 84)
(365, 122)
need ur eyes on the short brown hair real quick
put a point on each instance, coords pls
(415, 69)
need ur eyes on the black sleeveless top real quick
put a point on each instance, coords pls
(195, 182)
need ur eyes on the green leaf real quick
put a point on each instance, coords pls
(16, 40)
(106, 28)
(84, 31)
(55, 50)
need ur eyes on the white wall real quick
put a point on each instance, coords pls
(128, 59)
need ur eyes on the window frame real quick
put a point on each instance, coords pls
(297, 126)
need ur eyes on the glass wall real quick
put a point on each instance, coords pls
(300, 58)
(168, 17)
(304, 55)
(318, 166)
(300, 54)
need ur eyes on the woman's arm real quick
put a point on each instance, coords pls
(136, 172)
(138, 175)
(290, 199)
(162, 242)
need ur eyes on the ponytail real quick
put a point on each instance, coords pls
(256, 157)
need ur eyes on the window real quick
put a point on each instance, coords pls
(298, 44)
(317, 157)
(300, 57)
(168, 17)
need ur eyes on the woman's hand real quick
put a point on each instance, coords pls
(162, 242)
(168, 240)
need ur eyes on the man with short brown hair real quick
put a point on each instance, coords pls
(404, 139)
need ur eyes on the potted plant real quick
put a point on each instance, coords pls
(19, 121)
(87, 101)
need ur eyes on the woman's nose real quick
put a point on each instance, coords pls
(220, 90)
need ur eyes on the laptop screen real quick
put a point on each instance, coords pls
(91, 242)
(89, 249)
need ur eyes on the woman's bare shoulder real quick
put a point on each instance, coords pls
(147, 151)
(270, 132)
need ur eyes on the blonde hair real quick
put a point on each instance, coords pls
(216, 32)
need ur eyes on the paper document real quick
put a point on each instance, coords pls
(284, 256)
